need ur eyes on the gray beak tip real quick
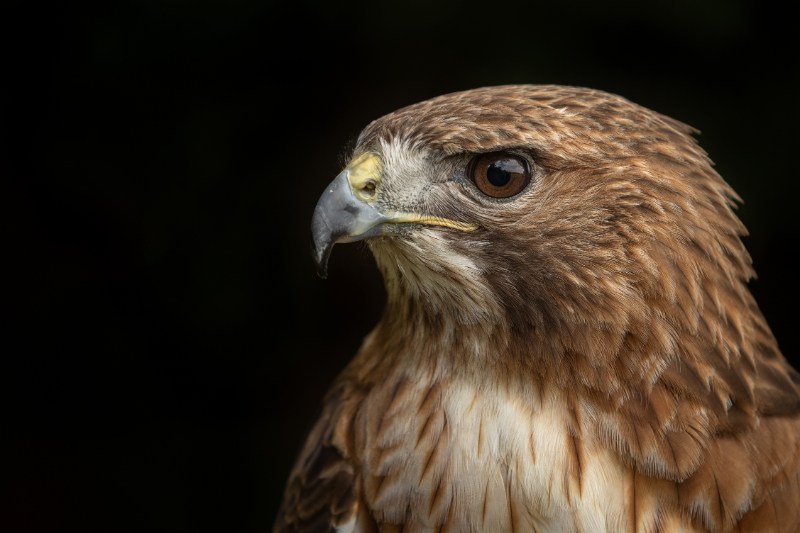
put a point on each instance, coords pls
(320, 257)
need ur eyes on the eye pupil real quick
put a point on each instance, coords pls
(499, 174)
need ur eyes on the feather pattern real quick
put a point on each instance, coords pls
(589, 360)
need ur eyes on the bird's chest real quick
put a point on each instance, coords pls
(477, 459)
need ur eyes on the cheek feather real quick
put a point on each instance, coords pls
(426, 270)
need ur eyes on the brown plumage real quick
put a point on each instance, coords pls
(588, 359)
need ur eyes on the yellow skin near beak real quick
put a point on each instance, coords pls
(364, 175)
(363, 171)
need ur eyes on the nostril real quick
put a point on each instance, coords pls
(369, 188)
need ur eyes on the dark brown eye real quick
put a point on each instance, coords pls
(499, 174)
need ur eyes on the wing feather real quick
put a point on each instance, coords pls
(324, 490)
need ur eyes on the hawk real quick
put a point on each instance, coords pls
(568, 345)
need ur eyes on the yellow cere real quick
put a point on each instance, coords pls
(366, 167)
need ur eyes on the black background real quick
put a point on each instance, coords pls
(166, 340)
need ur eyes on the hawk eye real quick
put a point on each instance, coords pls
(499, 174)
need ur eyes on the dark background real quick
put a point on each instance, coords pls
(166, 340)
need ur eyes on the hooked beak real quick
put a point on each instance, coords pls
(340, 217)
(347, 211)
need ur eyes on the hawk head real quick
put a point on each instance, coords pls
(566, 214)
